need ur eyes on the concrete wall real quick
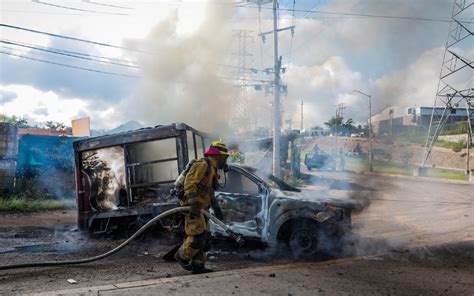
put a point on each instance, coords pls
(8, 155)
(454, 138)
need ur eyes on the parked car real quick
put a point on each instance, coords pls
(320, 160)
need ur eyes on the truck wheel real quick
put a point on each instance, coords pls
(133, 227)
(303, 239)
(309, 168)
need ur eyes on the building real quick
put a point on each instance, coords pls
(33, 159)
(41, 132)
(394, 119)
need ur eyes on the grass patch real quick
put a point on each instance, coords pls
(359, 165)
(455, 146)
(447, 174)
(28, 205)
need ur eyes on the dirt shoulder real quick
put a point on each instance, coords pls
(42, 219)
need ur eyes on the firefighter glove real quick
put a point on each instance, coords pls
(195, 205)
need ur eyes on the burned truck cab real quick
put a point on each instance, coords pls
(123, 180)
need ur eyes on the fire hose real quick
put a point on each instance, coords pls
(235, 236)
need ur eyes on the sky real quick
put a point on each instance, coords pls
(177, 60)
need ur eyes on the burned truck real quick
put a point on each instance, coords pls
(124, 180)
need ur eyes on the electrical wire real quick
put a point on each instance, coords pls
(90, 42)
(76, 9)
(67, 37)
(427, 19)
(259, 34)
(299, 46)
(108, 5)
(68, 66)
(68, 54)
(69, 51)
(292, 37)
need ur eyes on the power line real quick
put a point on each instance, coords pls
(428, 19)
(67, 37)
(292, 36)
(68, 54)
(320, 31)
(68, 66)
(68, 51)
(76, 9)
(108, 5)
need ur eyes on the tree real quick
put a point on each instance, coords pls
(55, 126)
(317, 127)
(19, 121)
(338, 123)
(349, 124)
(334, 122)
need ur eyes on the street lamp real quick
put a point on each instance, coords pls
(370, 128)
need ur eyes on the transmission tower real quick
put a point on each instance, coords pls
(452, 94)
(240, 119)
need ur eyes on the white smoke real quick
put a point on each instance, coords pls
(181, 80)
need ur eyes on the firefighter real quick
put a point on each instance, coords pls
(199, 186)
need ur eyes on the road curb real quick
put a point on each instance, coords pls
(418, 178)
(186, 278)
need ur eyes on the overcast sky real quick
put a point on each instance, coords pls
(172, 55)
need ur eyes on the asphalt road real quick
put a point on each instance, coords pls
(441, 270)
(405, 211)
(402, 217)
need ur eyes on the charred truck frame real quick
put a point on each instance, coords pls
(123, 180)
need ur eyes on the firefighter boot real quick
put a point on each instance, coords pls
(186, 265)
(198, 263)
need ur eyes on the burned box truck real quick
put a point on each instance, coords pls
(123, 180)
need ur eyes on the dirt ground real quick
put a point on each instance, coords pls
(402, 217)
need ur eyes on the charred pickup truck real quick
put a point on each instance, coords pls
(302, 219)
(124, 180)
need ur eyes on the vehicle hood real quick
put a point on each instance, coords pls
(315, 197)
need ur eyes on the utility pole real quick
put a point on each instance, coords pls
(302, 117)
(277, 87)
(371, 168)
(276, 105)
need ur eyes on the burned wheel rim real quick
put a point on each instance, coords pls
(303, 242)
(133, 227)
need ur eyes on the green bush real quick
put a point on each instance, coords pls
(461, 128)
(17, 204)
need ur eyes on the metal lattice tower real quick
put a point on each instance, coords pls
(452, 90)
(240, 119)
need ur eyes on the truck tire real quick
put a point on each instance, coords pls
(303, 240)
(133, 227)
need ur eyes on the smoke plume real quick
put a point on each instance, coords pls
(181, 82)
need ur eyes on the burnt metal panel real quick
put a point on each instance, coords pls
(146, 134)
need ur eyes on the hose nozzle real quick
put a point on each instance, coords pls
(237, 237)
